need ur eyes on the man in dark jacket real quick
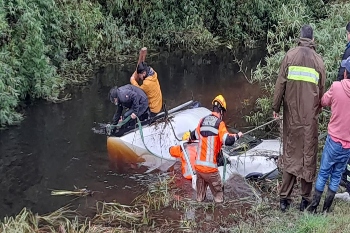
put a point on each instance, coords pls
(346, 53)
(131, 97)
(299, 86)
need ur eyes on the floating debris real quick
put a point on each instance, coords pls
(77, 192)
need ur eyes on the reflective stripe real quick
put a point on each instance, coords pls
(188, 172)
(224, 138)
(348, 178)
(305, 74)
(210, 129)
(207, 164)
(348, 166)
(199, 148)
(210, 149)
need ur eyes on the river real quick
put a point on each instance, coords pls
(54, 147)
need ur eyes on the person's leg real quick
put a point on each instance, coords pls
(215, 186)
(201, 186)
(288, 181)
(306, 188)
(340, 156)
(326, 167)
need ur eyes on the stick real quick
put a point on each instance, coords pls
(142, 56)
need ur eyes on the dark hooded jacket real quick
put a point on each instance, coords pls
(345, 56)
(130, 97)
(300, 86)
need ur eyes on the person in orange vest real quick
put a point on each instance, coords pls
(191, 150)
(212, 134)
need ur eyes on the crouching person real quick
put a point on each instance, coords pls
(191, 151)
(336, 151)
(211, 133)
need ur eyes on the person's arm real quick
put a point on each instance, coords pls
(226, 138)
(327, 98)
(133, 79)
(117, 114)
(321, 86)
(280, 86)
(175, 151)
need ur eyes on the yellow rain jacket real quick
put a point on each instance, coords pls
(151, 87)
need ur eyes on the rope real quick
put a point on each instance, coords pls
(267, 123)
(143, 141)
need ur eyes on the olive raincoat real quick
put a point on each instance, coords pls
(300, 86)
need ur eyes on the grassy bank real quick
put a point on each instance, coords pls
(243, 211)
(46, 45)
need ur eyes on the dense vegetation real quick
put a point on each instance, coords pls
(330, 38)
(47, 44)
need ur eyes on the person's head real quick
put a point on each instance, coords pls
(142, 70)
(219, 105)
(346, 64)
(113, 95)
(306, 31)
(348, 31)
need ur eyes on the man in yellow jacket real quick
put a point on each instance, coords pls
(150, 85)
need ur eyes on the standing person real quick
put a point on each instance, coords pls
(300, 86)
(212, 134)
(131, 97)
(336, 151)
(150, 85)
(191, 150)
(346, 53)
(341, 75)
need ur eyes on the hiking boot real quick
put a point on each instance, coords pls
(284, 205)
(315, 202)
(328, 201)
(303, 204)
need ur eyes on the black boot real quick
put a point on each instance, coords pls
(303, 204)
(328, 201)
(284, 205)
(315, 201)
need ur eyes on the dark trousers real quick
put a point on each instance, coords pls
(346, 176)
(288, 181)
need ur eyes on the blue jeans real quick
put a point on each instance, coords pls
(333, 163)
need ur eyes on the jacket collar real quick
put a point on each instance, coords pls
(306, 42)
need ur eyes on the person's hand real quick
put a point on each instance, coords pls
(120, 119)
(240, 134)
(276, 115)
(133, 116)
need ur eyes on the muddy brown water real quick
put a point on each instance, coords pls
(54, 147)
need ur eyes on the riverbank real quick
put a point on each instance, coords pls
(162, 209)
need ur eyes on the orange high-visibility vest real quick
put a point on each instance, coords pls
(211, 133)
(191, 150)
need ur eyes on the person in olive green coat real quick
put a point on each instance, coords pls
(299, 86)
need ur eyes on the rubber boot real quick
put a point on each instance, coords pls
(315, 202)
(328, 201)
(284, 205)
(303, 204)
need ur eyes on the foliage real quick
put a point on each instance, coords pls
(330, 41)
(48, 44)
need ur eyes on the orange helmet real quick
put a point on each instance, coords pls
(220, 101)
(186, 136)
